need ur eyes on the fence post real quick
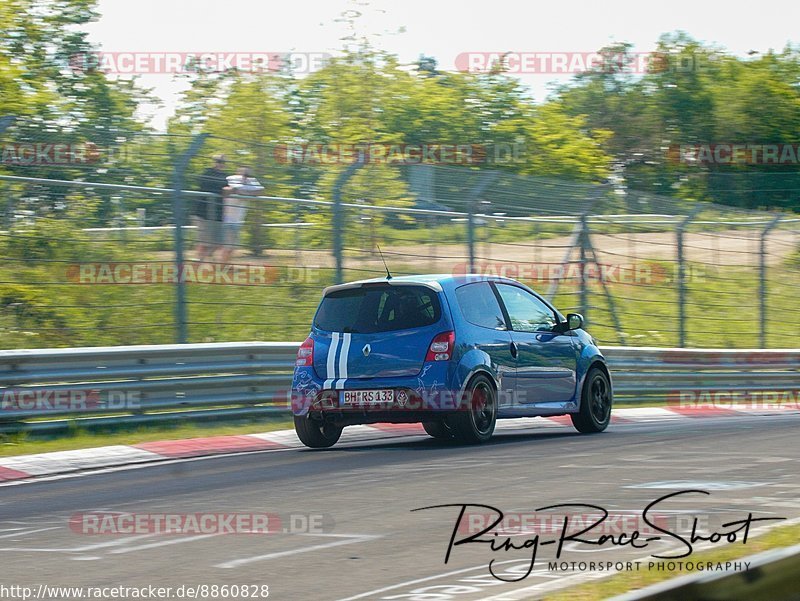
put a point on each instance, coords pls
(612, 306)
(178, 181)
(583, 245)
(762, 279)
(471, 238)
(486, 179)
(336, 222)
(682, 277)
(8, 213)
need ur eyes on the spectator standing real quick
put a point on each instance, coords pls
(207, 214)
(235, 209)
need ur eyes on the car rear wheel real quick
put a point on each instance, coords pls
(438, 429)
(596, 401)
(474, 423)
(316, 434)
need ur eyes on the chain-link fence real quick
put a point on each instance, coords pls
(92, 255)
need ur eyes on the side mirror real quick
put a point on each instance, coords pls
(574, 321)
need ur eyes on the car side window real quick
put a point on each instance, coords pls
(527, 313)
(479, 306)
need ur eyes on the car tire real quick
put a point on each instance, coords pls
(316, 434)
(474, 423)
(596, 402)
(438, 429)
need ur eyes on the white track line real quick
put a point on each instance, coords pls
(349, 540)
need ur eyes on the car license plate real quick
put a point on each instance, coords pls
(366, 397)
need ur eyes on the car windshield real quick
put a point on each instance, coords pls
(381, 308)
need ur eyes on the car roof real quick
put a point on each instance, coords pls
(436, 281)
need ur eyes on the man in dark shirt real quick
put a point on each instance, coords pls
(207, 210)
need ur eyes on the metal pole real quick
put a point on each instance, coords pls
(762, 279)
(574, 240)
(471, 238)
(682, 277)
(583, 246)
(298, 241)
(612, 307)
(474, 194)
(337, 222)
(258, 238)
(5, 123)
(178, 214)
(8, 212)
(581, 239)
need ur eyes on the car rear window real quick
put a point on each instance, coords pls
(382, 308)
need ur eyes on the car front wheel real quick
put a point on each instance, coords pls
(596, 400)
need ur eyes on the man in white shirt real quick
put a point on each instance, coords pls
(235, 209)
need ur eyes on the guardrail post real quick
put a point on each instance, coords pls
(178, 180)
(682, 277)
(762, 279)
(337, 223)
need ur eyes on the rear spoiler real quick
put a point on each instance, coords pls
(432, 284)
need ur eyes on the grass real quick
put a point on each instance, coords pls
(620, 583)
(21, 444)
(722, 309)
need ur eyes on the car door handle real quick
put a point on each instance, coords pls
(514, 349)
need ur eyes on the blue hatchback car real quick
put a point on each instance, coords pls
(455, 353)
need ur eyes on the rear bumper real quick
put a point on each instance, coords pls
(429, 393)
(353, 418)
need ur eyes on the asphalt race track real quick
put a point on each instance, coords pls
(353, 534)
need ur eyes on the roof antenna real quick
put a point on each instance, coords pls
(388, 275)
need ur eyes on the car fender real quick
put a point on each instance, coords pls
(473, 362)
(589, 357)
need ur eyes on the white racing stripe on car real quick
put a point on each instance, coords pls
(343, 361)
(330, 374)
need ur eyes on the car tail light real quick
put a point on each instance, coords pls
(441, 348)
(305, 354)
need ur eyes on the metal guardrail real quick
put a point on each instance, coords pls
(668, 372)
(54, 389)
(98, 386)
